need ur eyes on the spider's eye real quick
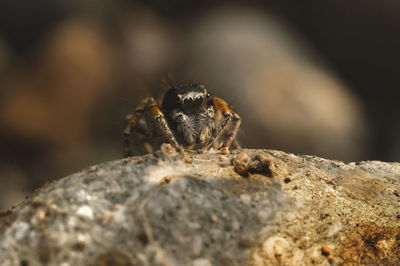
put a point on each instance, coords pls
(207, 95)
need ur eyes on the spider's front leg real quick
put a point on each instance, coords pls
(132, 122)
(229, 117)
(161, 123)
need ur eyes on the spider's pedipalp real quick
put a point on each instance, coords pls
(162, 125)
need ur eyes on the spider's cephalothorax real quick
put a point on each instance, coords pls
(189, 118)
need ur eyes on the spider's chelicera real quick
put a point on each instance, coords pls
(188, 118)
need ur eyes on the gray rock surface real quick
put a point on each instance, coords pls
(169, 209)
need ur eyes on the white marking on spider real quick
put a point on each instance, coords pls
(191, 95)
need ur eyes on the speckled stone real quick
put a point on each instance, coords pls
(161, 210)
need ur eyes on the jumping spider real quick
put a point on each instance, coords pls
(188, 119)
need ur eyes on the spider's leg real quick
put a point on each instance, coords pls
(230, 136)
(132, 121)
(228, 116)
(161, 123)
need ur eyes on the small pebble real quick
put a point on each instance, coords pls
(188, 160)
(85, 211)
(166, 180)
(241, 164)
(287, 180)
(213, 218)
(325, 250)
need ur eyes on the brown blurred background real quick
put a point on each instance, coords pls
(309, 77)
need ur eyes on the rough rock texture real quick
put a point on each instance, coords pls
(197, 210)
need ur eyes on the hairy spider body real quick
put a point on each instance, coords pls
(188, 118)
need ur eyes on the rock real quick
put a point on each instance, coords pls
(161, 210)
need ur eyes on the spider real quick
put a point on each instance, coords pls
(188, 119)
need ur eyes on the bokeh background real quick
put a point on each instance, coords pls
(308, 77)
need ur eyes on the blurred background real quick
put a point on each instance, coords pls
(308, 77)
